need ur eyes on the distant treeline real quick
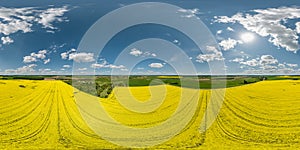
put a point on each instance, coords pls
(29, 77)
(102, 86)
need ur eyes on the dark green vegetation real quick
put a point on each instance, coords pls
(104, 85)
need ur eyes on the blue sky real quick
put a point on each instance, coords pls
(252, 37)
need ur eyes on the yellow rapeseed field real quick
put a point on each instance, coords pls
(44, 115)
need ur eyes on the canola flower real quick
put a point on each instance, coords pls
(44, 115)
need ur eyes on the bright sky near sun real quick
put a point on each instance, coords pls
(253, 37)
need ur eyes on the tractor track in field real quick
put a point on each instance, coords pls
(32, 134)
(44, 115)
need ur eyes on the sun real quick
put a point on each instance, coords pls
(247, 37)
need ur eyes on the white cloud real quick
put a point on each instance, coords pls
(27, 69)
(176, 42)
(135, 52)
(105, 64)
(286, 71)
(268, 67)
(211, 49)
(65, 55)
(108, 66)
(34, 57)
(149, 54)
(252, 62)
(82, 57)
(271, 70)
(298, 27)
(280, 65)
(292, 65)
(82, 69)
(51, 15)
(47, 61)
(189, 13)
(219, 31)
(115, 66)
(265, 64)
(268, 60)
(265, 61)
(45, 71)
(41, 54)
(29, 59)
(66, 66)
(124, 69)
(229, 44)
(229, 29)
(209, 57)
(96, 65)
(14, 20)
(156, 65)
(7, 40)
(268, 23)
(213, 55)
(14, 26)
(237, 60)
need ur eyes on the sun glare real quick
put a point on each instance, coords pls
(247, 37)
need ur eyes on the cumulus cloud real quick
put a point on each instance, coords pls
(105, 64)
(66, 66)
(33, 57)
(82, 57)
(280, 65)
(265, 64)
(27, 69)
(14, 20)
(229, 44)
(268, 67)
(29, 59)
(50, 15)
(108, 66)
(65, 55)
(156, 65)
(97, 65)
(136, 52)
(269, 23)
(116, 66)
(41, 54)
(212, 55)
(292, 65)
(7, 40)
(267, 60)
(252, 62)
